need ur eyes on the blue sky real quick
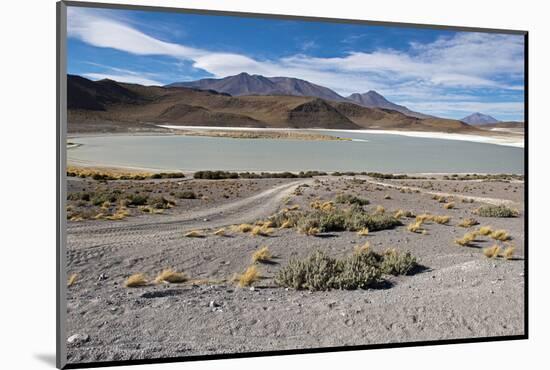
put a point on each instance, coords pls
(445, 73)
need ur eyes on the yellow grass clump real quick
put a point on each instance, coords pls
(449, 205)
(509, 252)
(287, 224)
(120, 214)
(379, 210)
(467, 239)
(443, 220)
(425, 217)
(491, 252)
(72, 279)
(359, 249)
(245, 228)
(501, 235)
(220, 232)
(194, 234)
(312, 231)
(415, 227)
(262, 255)
(399, 214)
(468, 222)
(485, 230)
(363, 232)
(248, 277)
(294, 207)
(327, 206)
(261, 231)
(171, 276)
(136, 280)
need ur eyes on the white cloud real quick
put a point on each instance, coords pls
(464, 61)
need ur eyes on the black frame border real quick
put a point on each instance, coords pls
(61, 117)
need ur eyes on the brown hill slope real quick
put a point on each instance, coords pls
(105, 104)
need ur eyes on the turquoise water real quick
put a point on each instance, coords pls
(374, 152)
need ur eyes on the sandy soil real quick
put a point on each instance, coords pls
(459, 294)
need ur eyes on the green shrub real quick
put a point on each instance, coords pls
(159, 202)
(358, 271)
(137, 199)
(99, 199)
(496, 211)
(321, 272)
(351, 199)
(395, 263)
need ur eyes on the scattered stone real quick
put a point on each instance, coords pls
(252, 288)
(102, 277)
(78, 338)
(213, 304)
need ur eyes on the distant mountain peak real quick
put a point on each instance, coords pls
(246, 84)
(478, 118)
(373, 99)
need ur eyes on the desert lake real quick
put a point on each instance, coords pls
(366, 152)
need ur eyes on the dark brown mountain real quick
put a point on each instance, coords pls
(372, 99)
(108, 105)
(245, 84)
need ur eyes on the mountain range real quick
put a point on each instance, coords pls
(107, 105)
(246, 84)
(479, 119)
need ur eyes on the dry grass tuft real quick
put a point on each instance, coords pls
(485, 230)
(425, 217)
(248, 277)
(359, 249)
(468, 222)
(287, 224)
(72, 279)
(449, 205)
(501, 235)
(379, 210)
(363, 232)
(261, 231)
(136, 280)
(399, 214)
(491, 252)
(467, 239)
(312, 231)
(262, 255)
(443, 220)
(194, 234)
(415, 227)
(171, 276)
(509, 252)
(220, 232)
(245, 228)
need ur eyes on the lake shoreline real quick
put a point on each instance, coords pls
(489, 138)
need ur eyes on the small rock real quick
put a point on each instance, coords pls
(102, 277)
(252, 288)
(213, 304)
(78, 338)
(270, 299)
(205, 219)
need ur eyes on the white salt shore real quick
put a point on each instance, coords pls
(517, 142)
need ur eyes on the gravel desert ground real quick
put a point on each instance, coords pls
(454, 292)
